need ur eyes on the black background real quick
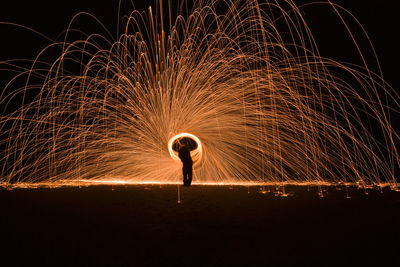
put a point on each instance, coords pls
(379, 18)
(214, 226)
(51, 18)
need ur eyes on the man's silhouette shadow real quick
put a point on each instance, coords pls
(187, 169)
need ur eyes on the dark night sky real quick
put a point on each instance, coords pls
(379, 18)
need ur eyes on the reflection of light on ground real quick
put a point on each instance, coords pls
(277, 185)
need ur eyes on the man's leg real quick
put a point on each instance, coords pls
(185, 174)
(190, 174)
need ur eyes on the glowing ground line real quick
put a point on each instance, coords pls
(196, 154)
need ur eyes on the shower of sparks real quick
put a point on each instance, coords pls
(263, 106)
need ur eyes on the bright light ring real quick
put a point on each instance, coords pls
(196, 154)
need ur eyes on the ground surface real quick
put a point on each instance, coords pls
(214, 226)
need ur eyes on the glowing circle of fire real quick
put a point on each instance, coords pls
(245, 77)
(196, 153)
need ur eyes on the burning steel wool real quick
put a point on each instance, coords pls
(258, 105)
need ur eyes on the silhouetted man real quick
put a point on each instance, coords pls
(184, 155)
